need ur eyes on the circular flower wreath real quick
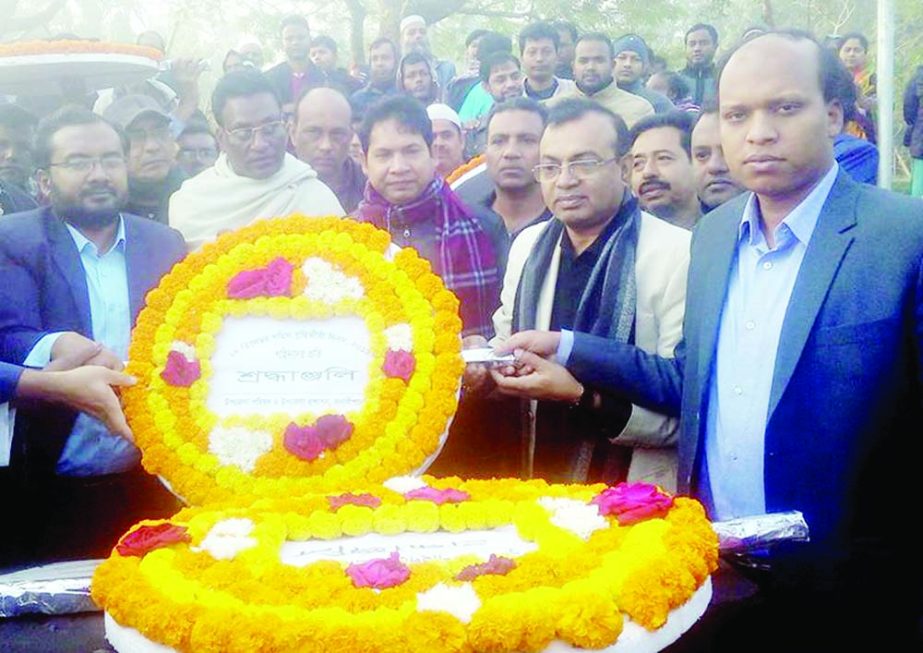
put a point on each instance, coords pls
(24, 48)
(595, 553)
(305, 269)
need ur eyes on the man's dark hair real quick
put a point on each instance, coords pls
(494, 60)
(572, 109)
(566, 26)
(598, 37)
(474, 35)
(239, 83)
(228, 55)
(294, 20)
(519, 104)
(678, 120)
(196, 127)
(709, 108)
(677, 87)
(69, 115)
(854, 35)
(702, 26)
(537, 32)
(404, 110)
(493, 42)
(324, 41)
(384, 40)
(14, 117)
(829, 64)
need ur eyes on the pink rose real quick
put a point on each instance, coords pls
(632, 502)
(495, 565)
(399, 364)
(309, 442)
(438, 497)
(303, 441)
(340, 500)
(333, 430)
(147, 538)
(179, 371)
(275, 280)
(379, 574)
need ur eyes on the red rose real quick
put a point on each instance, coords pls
(275, 280)
(179, 371)
(147, 538)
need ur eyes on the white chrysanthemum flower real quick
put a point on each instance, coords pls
(328, 284)
(228, 538)
(399, 336)
(187, 350)
(404, 484)
(239, 446)
(578, 517)
(460, 601)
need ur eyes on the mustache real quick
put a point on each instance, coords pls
(655, 184)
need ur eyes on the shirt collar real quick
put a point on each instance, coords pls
(801, 221)
(82, 242)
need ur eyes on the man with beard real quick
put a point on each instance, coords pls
(73, 273)
(660, 168)
(501, 77)
(699, 73)
(382, 67)
(153, 175)
(414, 39)
(253, 177)
(713, 180)
(593, 63)
(297, 73)
(321, 132)
(416, 78)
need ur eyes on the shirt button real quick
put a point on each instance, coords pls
(738, 390)
(767, 265)
(750, 325)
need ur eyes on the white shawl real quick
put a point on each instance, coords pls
(218, 199)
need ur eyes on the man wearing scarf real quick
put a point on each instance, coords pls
(405, 197)
(601, 266)
(253, 177)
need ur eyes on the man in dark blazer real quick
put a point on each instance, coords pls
(74, 273)
(799, 381)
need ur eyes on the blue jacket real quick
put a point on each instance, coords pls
(843, 438)
(44, 290)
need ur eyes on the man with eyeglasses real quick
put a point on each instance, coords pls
(198, 148)
(321, 132)
(152, 174)
(601, 266)
(75, 275)
(253, 176)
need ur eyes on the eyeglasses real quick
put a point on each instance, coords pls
(245, 135)
(198, 153)
(581, 169)
(83, 165)
(141, 136)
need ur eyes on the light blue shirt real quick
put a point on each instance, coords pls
(759, 291)
(90, 449)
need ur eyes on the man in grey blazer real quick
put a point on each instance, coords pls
(799, 380)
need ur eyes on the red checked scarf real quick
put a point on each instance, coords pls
(465, 257)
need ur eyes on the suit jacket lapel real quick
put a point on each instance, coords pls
(829, 244)
(140, 277)
(712, 290)
(67, 258)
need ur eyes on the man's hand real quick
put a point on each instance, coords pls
(186, 72)
(543, 343)
(88, 389)
(476, 374)
(546, 381)
(70, 350)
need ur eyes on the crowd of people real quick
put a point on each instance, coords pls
(700, 285)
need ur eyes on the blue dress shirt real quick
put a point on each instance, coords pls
(90, 449)
(759, 290)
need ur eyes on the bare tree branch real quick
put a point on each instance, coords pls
(27, 23)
